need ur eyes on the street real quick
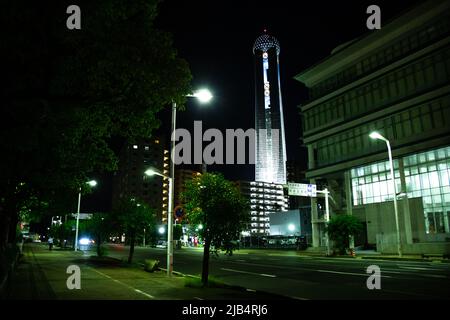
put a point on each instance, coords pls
(307, 277)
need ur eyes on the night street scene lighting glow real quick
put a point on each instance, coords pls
(222, 152)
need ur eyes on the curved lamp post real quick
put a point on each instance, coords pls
(204, 96)
(375, 135)
(91, 183)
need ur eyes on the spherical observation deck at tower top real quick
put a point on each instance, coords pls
(265, 42)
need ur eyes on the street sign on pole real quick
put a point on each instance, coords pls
(83, 216)
(302, 189)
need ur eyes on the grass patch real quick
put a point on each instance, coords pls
(213, 282)
(104, 261)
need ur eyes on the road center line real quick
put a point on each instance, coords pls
(247, 272)
(349, 273)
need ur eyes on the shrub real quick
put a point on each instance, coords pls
(340, 228)
(151, 265)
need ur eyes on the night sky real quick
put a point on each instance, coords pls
(216, 38)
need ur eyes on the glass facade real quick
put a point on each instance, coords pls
(427, 176)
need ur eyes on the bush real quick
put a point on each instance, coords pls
(340, 228)
(151, 265)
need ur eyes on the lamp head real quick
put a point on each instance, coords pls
(203, 95)
(92, 183)
(377, 136)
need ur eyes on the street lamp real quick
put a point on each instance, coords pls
(151, 172)
(204, 96)
(375, 135)
(91, 183)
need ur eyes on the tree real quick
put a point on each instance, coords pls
(133, 216)
(215, 203)
(70, 92)
(340, 228)
(99, 227)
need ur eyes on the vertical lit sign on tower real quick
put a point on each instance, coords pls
(265, 57)
(268, 172)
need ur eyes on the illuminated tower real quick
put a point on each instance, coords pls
(270, 153)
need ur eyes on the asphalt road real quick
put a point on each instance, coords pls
(304, 277)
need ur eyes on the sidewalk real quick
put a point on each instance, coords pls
(41, 275)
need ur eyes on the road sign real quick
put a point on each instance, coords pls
(179, 212)
(83, 216)
(302, 189)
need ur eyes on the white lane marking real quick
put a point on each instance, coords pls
(389, 271)
(144, 293)
(124, 284)
(251, 290)
(268, 275)
(349, 273)
(434, 276)
(298, 298)
(420, 268)
(198, 298)
(254, 273)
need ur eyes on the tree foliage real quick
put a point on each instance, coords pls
(216, 203)
(69, 92)
(340, 228)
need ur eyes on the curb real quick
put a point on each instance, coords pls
(406, 259)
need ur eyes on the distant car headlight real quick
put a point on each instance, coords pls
(84, 241)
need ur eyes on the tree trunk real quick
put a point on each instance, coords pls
(4, 230)
(99, 244)
(130, 256)
(205, 267)
(12, 234)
